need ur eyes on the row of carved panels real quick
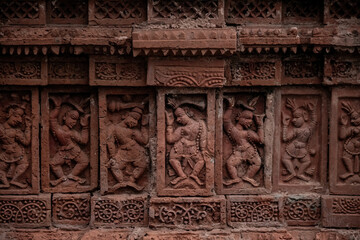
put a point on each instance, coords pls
(186, 142)
(165, 11)
(80, 210)
(182, 72)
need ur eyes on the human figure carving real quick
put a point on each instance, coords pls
(69, 139)
(126, 146)
(351, 135)
(297, 140)
(189, 142)
(13, 159)
(244, 141)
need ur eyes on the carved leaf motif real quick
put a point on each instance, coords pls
(23, 211)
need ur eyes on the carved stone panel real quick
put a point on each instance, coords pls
(24, 71)
(19, 144)
(185, 235)
(301, 69)
(341, 211)
(341, 70)
(69, 140)
(187, 213)
(67, 12)
(344, 141)
(302, 210)
(71, 210)
(113, 71)
(244, 142)
(22, 12)
(185, 144)
(301, 140)
(186, 73)
(249, 71)
(119, 211)
(339, 11)
(253, 211)
(126, 127)
(69, 70)
(31, 211)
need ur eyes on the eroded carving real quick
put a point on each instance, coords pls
(297, 132)
(246, 133)
(187, 141)
(15, 139)
(21, 70)
(302, 69)
(253, 71)
(299, 210)
(254, 211)
(127, 139)
(349, 133)
(69, 125)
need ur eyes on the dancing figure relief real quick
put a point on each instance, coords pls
(349, 132)
(15, 137)
(297, 132)
(126, 144)
(188, 143)
(246, 136)
(64, 118)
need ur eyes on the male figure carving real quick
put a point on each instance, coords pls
(297, 140)
(13, 159)
(244, 141)
(351, 135)
(69, 140)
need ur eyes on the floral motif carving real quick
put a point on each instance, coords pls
(302, 210)
(253, 71)
(20, 70)
(15, 140)
(71, 209)
(349, 134)
(343, 70)
(126, 141)
(302, 69)
(23, 211)
(254, 211)
(346, 206)
(129, 212)
(245, 132)
(297, 131)
(68, 70)
(123, 71)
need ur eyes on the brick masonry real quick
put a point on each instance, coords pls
(146, 119)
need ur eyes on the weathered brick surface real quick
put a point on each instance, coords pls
(70, 70)
(302, 210)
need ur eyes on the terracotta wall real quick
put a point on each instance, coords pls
(158, 119)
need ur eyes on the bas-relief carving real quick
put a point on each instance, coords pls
(15, 141)
(243, 144)
(186, 138)
(69, 127)
(349, 136)
(298, 126)
(126, 141)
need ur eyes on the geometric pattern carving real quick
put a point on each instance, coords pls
(302, 211)
(74, 11)
(16, 11)
(300, 10)
(253, 71)
(189, 9)
(344, 9)
(346, 206)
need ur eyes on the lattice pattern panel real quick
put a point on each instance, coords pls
(252, 11)
(185, 9)
(302, 10)
(344, 9)
(17, 11)
(126, 11)
(69, 11)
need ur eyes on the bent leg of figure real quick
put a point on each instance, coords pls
(252, 171)
(56, 166)
(3, 178)
(197, 168)
(287, 161)
(116, 170)
(232, 163)
(349, 165)
(82, 161)
(11, 171)
(304, 164)
(176, 165)
(19, 170)
(140, 166)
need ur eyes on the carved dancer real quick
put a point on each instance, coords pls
(189, 144)
(244, 141)
(13, 159)
(69, 140)
(351, 135)
(297, 139)
(126, 147)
